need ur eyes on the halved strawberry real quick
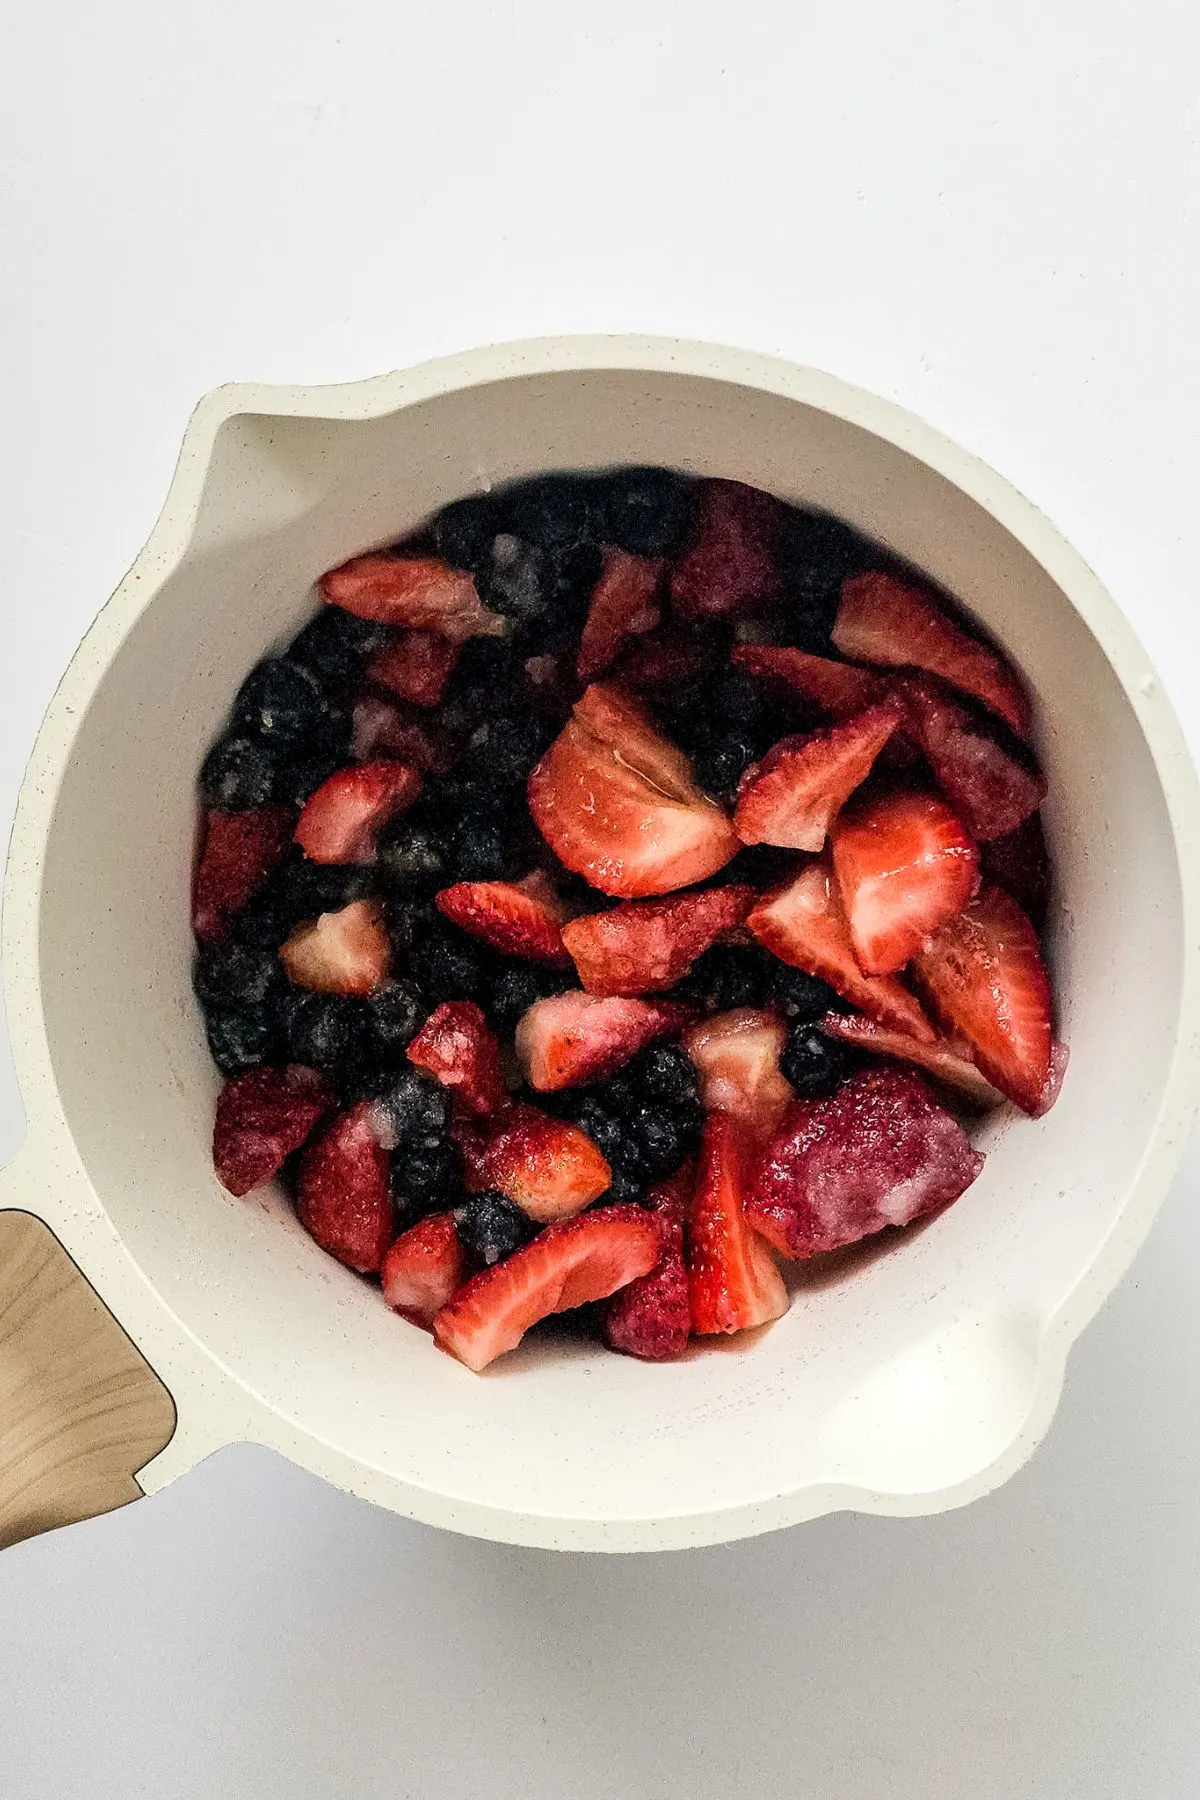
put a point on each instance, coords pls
(837, 688)
(616, 802)
(733, 1282)
(241, 849)
(804, 925)
(904, 865)
(383, 728)
(652, 1317)
(731, 562)
(342, 1197)
(624, 604)
(340, 822)
(424, 1268)
(567, 1265)
(343, 952)
(880, 1151)
(421, 592)
(646, 945)
(573, 1038)
(521, 918)
(262, 1116)
(416, 665)
(991, 788)
(456, 1046)
(737, 1060)
(792, 796)
(550, 1169)
(949, 1060)
(880, 620)
(1020, 864)
(984, 976)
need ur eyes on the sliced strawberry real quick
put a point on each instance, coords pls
(382, 728)
(880, 1151)
(1020, 864)
(836, 688)
(456, 1046)
(262, 1116)
(342, 1197)
(804, 925)
(624, 604)
(984, 976)
(880, 620)
(646, 945)
(616, 802)
(731, 563)
(652, 1317)
(420, 592)
(416, 665)
(550, 1169)
(343, 952)
(567, 1265)
(792, 796)
(1060, 1056)
(948, 1060)
(991, 788)
(424, 1268)
(521, 918)
(666, 660)
(241, 849)
(340, 822)
(737, 1059)
(733, 1282)
(573, 1038)
(904, 865)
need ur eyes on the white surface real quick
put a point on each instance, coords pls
(987, 217)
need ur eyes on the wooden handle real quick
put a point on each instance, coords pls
(81, 1411)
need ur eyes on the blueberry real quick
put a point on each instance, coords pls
(802, 997)
(815, 1065)
(235, 973)
(606, 1130)
(396, 1013)
(513, 583)
(362, 1073)
(463, 531)
(303, 773)
(238, 1036)
(333, 646)
(449, 966)
(819, 554)
(720, 762)
(317, 1028)
(668, 1074)
(417, 1109)
(409, 918)
(483, 848)
(625, 1189)
(485, 680)
(515, 986)
(490, 1227)
(727, 976)
(503, 750)
(553, 511)
(429, 1174)
(648, 511)
(662, 1140)
(238, 772)
(736, 699)
(411, 859)
(281, 702)
(299, 890)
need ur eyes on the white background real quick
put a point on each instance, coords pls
(987, 213)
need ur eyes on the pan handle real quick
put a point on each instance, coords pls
(81, 1411)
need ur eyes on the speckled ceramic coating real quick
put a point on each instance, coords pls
(919, 1381)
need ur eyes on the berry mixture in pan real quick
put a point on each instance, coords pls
(626, 883)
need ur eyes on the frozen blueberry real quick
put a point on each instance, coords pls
(647, 510)
(664, 1136)
(820, 553)
(463, 531)
(720, 761)
(503, 750)
(317, 1029)
(411, 859)
(429, 1174)
(606, 1130)
(668, 1074)
(396, 1011)
(238, 772)
(513, 582)
(490, 1227)
(303, 773)
(485, 680)
(727, 976)
(483, 848)
(815, 1065)
(802, 997)
(515, 986)
(238, 1036)
(417, 1109)
(233, 973)
(333, 646)
(553, 511)
(449, 966)
(281, 702)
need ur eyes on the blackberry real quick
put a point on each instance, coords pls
(396, 1013)
(802, 997)
(317, 1029)
(728, 975)
(333, 646)
(490, 1227)
(430, 1175)
(449, 966)
(411, 859)
(483, 847)
(238, 1036)
(417, 1109)
(815, 1065)
(463, 531)
(720, 762)
(515, 986)
(667, 1073)
(238, 772)
(282, 703)
(226, 974)
(664, 1136)
(554, 511)
(648, 511)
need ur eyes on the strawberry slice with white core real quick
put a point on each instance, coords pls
(804, 925)
(737, 1056)
(616, 802)
(420, 592)
(424, 1268)
(837, 688)
(520, 918)
(416, 666)
(572, 1038)
(882, 621)
(984, 976)
(792, 796)
(880, 1151)
(566, 1265)
(341, 821)
(457, 1047)
(904, 865)
(652, 1317)
(624, 604)
(994, 790)
(342, 1197)
(343, 952)
(733, 1282)
(548, 1168)
(646, 945)
(948, 1060)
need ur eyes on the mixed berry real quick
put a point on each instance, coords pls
(625, 882)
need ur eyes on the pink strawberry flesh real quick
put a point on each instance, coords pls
(993, 788)
(904, 865)
(567, 1265)
(342, 1192)
(343, 952)
(652, 1317)
(948, 1060)
(457, 1047)
(737, 1056)
(382, 727)
(341, 821)
(241, 851)
(262, 1116)
(646, 945)
(424, 1268)
(574, 1038)
(420, 592)
(792, 796)
(879, 1152)
(733, 1283)
(731, 564)
(520, 918)
(416, 666)
(624, 604)
(839, 689)
(547, 1167)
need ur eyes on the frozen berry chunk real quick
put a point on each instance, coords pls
(456, 1046)
(572, 1038)
(241, 851)
(792, 796)
(342, 820)
(520, 918)
(646, 945)
(420, 592)
(947, 1060)
(416, 666)
(838, 689)
(733, 1282)
(624, 604)
(1019, 863)
(342, 1192)
(732, 562)
(736, 1055)
(652, 1317)
(424, 1268)
(262, 1116)
(993, 787)
(549, 1168)
(904, 865)
(342, 952)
